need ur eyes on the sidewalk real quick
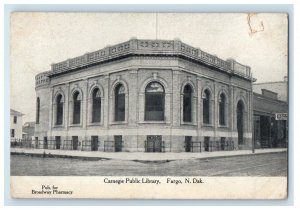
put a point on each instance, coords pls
(143, 156)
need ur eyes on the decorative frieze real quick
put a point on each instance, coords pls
(158, 48)
(189, 50)
(42, 80)
(155, 44)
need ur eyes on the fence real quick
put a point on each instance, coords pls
(117, 146)
(22, 143)
(195, 146)
(151, 146)
(113, 146)
(219, 146)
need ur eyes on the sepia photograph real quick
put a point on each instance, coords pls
(139, 102)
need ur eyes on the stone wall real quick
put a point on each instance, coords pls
(135, 73)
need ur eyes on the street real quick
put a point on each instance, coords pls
(272, 164)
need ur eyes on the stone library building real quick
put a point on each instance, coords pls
(145, 96)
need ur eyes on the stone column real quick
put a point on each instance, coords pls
(233, 110)
(194, 107)
(50, 114)
(84, 103)
(141, 106)
(106, 105)
(66, 106)
(199, 108)
(66, 114)
(168, 101)
(214, 110)
(133, 98)
(176, 102)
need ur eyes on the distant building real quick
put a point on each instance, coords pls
(16, 122)
(279, 87)
(268, 131)
(28, 130)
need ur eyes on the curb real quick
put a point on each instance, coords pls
(49, 155)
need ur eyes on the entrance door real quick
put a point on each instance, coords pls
(154, 144)
(94, 143)
(188, 143)
(118, 143)
(74, 142)
(240, 122)
(57, 142)
(206, 143)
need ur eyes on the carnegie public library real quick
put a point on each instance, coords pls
(145, 95)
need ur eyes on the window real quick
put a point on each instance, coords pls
(207, 143)
(12, 133)
(94, 143)
(45, 142)
(57, 142)
(76, 107)
(75, 142)
(187, 104)
(154, 102)
(222, 109)
(37, 110)
(96, 107)
(118, 143)
(59, 110)
(188, 143)
(120, 103)
(15, 119)
(206, 110)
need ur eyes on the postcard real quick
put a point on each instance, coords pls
(149, 105)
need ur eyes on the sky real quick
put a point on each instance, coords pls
(41, 39)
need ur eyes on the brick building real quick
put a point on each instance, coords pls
(145, 95)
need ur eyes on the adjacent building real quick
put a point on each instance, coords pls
(16, 122)
(145, 95)
(270, 131)
(281, 88)
(28, 130)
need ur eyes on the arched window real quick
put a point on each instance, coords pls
(96, 113)
(222, 109)
(38, 110)
(154, 102)
(59, 110)
(120, 103)
(187, 104)
(206, 107)
(76, 107)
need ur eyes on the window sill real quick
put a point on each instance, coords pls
(119, 123)
(207, 125)
(95, 124)
(188, 123)
(222, 126)
(153, 122)
(75, 125)
(58, 126)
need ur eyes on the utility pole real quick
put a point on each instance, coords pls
(156, 25)
(252, 117)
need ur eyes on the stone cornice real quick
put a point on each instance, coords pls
(158, 48)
